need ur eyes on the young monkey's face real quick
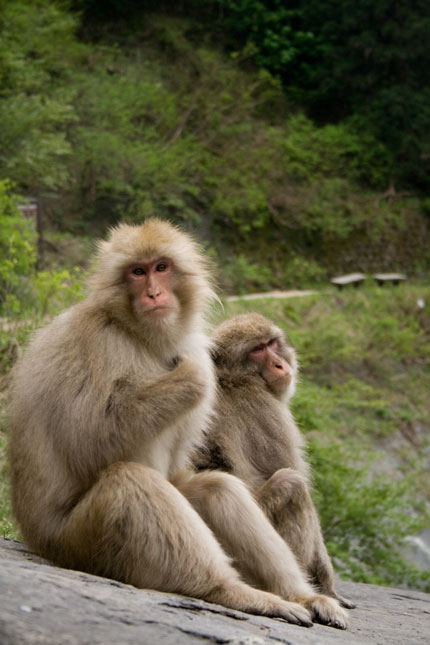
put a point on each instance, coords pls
(275, 370)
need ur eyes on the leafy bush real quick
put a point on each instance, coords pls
(366, 533)
(335, 150)
(56, 290)
(368, 70)
(37, 48)
(17, 247)
(109, 130)
(22, 289)
(239, 275)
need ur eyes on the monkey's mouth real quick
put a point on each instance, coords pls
(158, 310)
(282, 378)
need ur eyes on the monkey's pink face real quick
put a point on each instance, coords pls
(151, 287)
(275, 370)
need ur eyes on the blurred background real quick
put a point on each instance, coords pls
(293, 139)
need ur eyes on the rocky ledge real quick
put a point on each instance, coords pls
(41, 603)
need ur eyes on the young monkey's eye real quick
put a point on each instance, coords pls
(138, 271)
(162, 266)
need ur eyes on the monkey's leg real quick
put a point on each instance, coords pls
(321, 570)
(286, 500)
(258, 551)
(134, 526)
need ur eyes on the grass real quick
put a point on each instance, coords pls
(7, 527)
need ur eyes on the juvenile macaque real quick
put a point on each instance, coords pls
(254, 436)
(108, 402)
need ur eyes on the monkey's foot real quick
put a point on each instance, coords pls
(254, 601)
(292, 612)
(326, 611)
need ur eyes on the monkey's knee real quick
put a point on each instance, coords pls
(217, 484)
(112, 516)
(285, 485)
(212, 490)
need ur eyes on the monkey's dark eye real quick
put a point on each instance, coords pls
(259, 348)
(272, 342)
(138, 271)
(162, 267)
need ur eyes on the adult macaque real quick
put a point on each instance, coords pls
(107, 403)
(255, 437)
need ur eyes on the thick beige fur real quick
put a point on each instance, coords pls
(254, 437)
(107, 404)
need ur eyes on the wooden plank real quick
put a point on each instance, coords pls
(351, 278)
(395, 278)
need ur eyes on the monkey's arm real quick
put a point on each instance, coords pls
(159, 403)
(132, 414)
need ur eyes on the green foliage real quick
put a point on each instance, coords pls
(343, 59)
(17, 245)
(335, 151)
(367, 532)
(37, 48)
(271, 27)
(7, 527)
(22, 289)
(300, 271)
(56, 290)
(109, 130)
(239, 275)
(361, 61)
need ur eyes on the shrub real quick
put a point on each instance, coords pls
(17, 247)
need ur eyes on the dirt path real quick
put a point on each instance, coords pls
(270, 294)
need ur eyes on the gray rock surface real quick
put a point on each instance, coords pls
(41, 603)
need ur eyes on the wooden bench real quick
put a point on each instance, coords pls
(383, 278)
(351, 278)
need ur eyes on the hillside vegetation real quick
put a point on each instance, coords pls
(161, 115)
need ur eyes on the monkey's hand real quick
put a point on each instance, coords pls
(189, 372)
(160, 402)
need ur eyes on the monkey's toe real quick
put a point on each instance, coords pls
(348, 604)
(294, 613)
